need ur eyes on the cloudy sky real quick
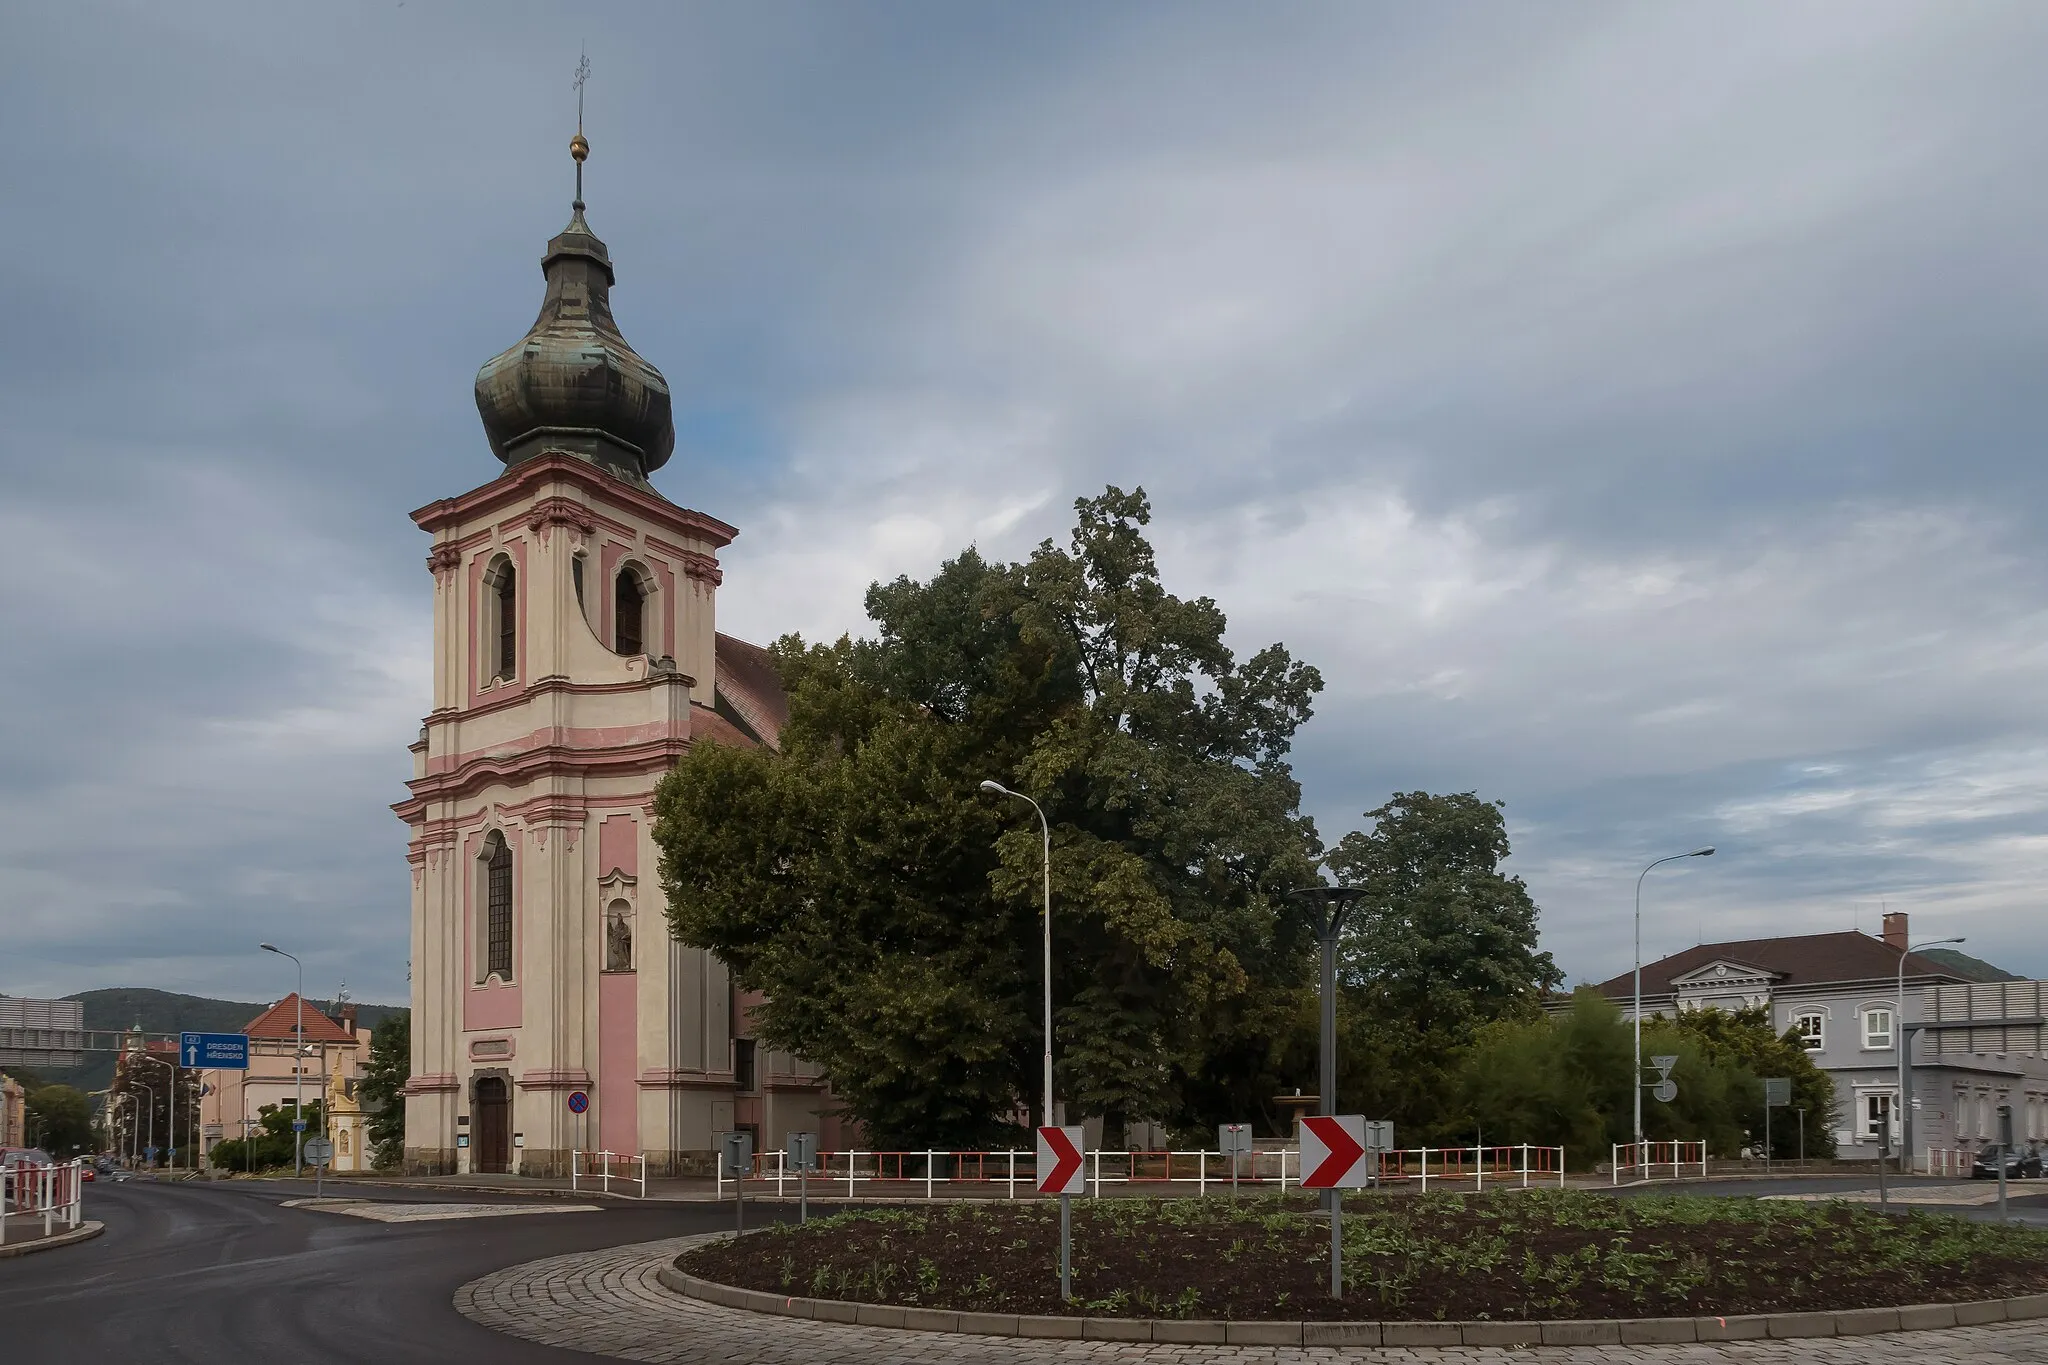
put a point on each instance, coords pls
(1637, 411)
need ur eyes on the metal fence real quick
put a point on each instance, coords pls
(1010, 1172)
(597, 1170)
(1644, 1158)
(55, 1193)
(1945, 1161)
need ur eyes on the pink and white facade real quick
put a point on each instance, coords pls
(576, 657)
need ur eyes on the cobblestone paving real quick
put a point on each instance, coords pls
(610, 1303)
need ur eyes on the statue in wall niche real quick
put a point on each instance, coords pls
(618, 943)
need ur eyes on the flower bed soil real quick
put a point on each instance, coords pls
(1529, 1255)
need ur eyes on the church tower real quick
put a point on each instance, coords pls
(576, 657)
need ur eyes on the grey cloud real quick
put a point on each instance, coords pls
(1632, 407)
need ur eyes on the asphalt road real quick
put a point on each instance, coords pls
(2026, 1200)
(223, 1273)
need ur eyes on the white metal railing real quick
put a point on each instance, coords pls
(1945, 1161)
(1013, 1171)
(1646, 1157)
(56, 1192)
(600, 1168)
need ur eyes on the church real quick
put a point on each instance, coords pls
(576, 657)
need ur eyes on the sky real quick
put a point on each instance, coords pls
(1635, 410)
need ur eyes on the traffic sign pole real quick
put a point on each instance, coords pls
(1060, 1171)
(1065, 1247)
(1333, 1152)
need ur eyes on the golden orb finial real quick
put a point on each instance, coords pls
(579, 147)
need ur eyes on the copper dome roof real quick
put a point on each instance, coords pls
(572, 383)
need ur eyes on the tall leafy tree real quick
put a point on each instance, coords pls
(60, 1117)
(1441, 944)
(383, 1087)
(891, 913)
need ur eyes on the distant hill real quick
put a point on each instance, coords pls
(160, 1012)
(1962, 964)
(166, 1012)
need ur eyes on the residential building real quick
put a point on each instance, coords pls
(13, 1112)
(279, 1067)
(1841, 993)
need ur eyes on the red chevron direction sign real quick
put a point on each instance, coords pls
(1333, 1152)
(1059, 1162)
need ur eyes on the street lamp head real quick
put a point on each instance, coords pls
(995, 788)
(270, 948)
(1706, 852)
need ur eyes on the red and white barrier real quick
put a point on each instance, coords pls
(1014, 1171)
(1945, 1161)
(1644, 1158)
(589, 1170)
(55, 1192)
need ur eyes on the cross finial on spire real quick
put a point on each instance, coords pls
(579, 146)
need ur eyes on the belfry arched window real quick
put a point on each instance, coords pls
(497, 861)
(629, 613)
(501, 619)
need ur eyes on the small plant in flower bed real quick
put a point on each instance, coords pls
(1532, 1254)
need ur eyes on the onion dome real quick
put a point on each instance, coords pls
(572, 383)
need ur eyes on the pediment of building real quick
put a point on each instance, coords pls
(1723, 974)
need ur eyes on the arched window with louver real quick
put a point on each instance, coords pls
(629, 612)
(501, 634)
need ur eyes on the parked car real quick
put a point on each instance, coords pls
(2019, 1165)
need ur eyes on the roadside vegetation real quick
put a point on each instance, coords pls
(1527, 1255)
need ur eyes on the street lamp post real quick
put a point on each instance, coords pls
(995, 788)
(298, 1068)
(172, 1111)
(149, 1143)
(1905, 1046)
(1331, 903)
(1636, 1083)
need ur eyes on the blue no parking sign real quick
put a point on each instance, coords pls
(578, 1101)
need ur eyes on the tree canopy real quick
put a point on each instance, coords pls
(60, 1117)
(891, 912)
(383, 1087)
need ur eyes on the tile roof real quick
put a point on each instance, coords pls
(706, 723)
(748, 683)
(1805, 960)
(277, 1021)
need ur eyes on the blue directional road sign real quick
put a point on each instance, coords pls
(214, 1051)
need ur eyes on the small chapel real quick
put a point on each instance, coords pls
(576, 657)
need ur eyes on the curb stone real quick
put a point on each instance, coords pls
(1577, 1332)
(84, 1232)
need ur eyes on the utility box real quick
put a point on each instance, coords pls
(1379, 1135)
(1234, 1139)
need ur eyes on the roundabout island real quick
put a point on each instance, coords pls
(1671, 1268)
(1567, 1278)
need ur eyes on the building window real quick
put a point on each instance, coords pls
(501, 630)
(1876, 1107)
(498, 908)
(576, 577)
(1877, 1027)
(628, 613)
(743, 1063)
(1811, 1026)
